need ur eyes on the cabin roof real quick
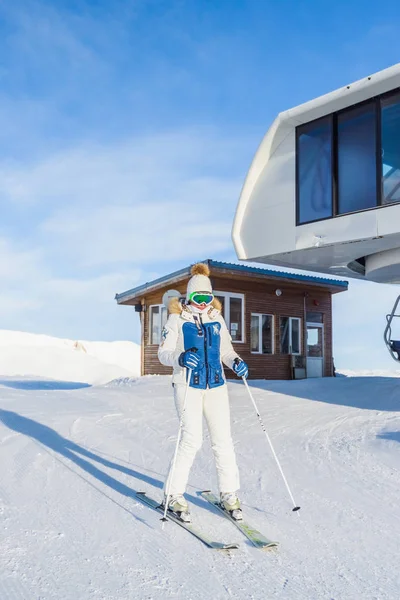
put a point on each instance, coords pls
(215, 266)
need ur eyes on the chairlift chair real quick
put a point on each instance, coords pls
(392, 345)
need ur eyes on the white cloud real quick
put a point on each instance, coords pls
(138, 235)
(150, 199)
(66, 305)
(153, 168)
(89, 220)
(19, 263)
(12, 305)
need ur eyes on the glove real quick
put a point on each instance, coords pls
(189, 359)
(240, 368)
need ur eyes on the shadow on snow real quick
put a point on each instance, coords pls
(42, 384)
(371, 393)
(79, 456)
(394, 436)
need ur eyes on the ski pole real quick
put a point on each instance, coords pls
(270, 443)
(164, 518)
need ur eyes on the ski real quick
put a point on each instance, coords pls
(255, 537)
(188, 526)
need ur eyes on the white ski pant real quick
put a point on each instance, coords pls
(214, 404)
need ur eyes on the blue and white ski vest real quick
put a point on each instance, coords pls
(206, 338)
(209, 335)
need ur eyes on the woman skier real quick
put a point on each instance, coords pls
(195, 340)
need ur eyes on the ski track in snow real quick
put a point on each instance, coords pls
(72, 528)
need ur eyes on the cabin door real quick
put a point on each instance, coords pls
(315, 349)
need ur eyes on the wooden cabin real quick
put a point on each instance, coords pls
(280, 323)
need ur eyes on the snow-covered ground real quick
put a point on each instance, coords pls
(74, 361)
(72, 459)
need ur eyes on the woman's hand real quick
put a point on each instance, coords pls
(189, 359)
(240, 368)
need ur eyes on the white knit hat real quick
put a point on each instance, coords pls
(199, 281)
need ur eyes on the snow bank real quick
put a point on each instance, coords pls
(369, 373)
(32, 355)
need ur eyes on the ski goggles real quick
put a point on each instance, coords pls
(201, 298)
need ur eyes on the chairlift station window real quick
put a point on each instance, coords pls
(349, 161)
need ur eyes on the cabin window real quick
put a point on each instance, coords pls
(390, 119)
(315, 317)
(290, 330)
(314, 170)
(233, 313)
(262, 334)
(356, 138)
(158, 318)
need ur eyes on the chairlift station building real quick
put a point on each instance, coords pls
(323, 190)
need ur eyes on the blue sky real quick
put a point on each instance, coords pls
(126, 129)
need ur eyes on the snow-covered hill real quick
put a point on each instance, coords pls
(71, 461)
(43, 356)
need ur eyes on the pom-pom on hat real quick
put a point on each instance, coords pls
(199, 281)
